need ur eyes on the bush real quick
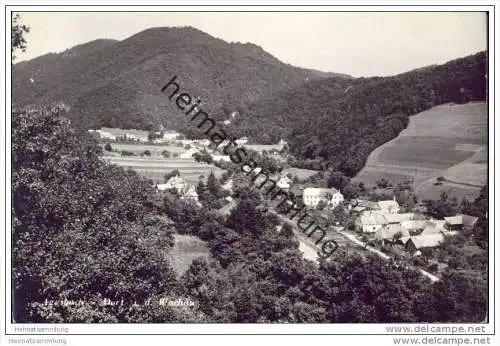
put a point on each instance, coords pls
(127, 153)
(108, 147)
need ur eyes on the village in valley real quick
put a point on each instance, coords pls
(362, 222)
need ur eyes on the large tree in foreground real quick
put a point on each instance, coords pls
(19, 31)
(82, 231)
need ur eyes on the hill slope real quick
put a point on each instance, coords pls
(116, 84)
(447, 141)
(339, 122)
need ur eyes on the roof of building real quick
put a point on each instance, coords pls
(398, 218)
(430, 240)
(358, 208)
(191, 192)
(404, 239)
(414, 224)
(388, 205)
(226, 209)
(297, 190)
(319, 192)
(389, 231)
(285, 178)
(162, 187)
(368, 218)
(461, 219)
(454, 220)
(432, 230)
(176, 180)
(367, 204)
(228, 185)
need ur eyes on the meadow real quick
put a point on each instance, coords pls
(448, 141)
(185, 250)
(301, 173)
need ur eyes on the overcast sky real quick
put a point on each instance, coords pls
(359, 44)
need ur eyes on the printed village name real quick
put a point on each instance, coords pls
(178, 302)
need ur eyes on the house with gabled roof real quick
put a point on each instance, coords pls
(191, 195)
(313, 195)
(176, 183)
(460, 221)
(388, 233)
(389, 206)
(284, 183)
(419, 242)
(370, 222)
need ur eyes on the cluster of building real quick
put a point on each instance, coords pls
(311, 196)
(386, 224)
(179, 186)
(199, 145)
(115, 134)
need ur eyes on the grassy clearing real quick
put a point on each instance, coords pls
(447, 140)
(301, 173)
(185, 250)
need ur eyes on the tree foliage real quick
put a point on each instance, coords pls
(18, 35)
(82, 229)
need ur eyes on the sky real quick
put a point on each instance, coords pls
(361, 44)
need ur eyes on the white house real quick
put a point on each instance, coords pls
(133, 137)
(228, 186)
(161, 187)
(167, 136)
(313, 195)
(284, 182)
(185, 142)
(188, 154)
(204, 142)
(241, 141)
(221, 158)
(175, 183)
(191, 195)
(282, 144)
(103, 134)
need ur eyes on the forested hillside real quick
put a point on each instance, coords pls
(117, 83)
(338, 123)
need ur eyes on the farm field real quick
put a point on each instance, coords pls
(446, 141)
(156, 168)
(301, 173)
(186, 249)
